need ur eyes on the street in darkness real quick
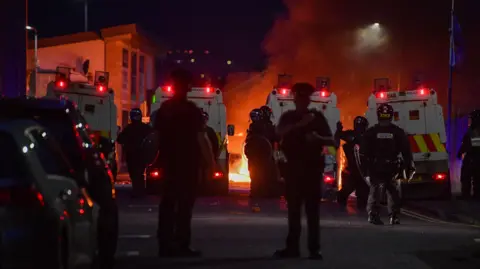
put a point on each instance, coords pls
(231, 236)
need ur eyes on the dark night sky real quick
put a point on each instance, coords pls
(235, 30)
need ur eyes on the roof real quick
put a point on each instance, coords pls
(108, 32)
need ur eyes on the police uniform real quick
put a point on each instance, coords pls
(352, 178)
(470, 148)
(381, 147)
(308, 132)
(132, 138)
(258, 151)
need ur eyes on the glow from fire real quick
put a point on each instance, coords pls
(240, 168)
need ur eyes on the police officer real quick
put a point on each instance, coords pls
(184, 152)
(470, 151)
(258, 151)
(211, 134)
(131, 138)
(381, 147)
(268, 124)
(303, 133)
(352, 179)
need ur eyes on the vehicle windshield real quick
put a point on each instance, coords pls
(54, 120)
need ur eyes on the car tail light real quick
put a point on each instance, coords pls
(217, 175)
(381, 95)
(155, 173)
(81, 206)
(21, 196)
(100, 88)
(208, 90)
(328, 179)
(422, 92)
(439, 176)
(283, 91)
(168, 89)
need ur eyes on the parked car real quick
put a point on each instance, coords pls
(68, 127)
(47, 221)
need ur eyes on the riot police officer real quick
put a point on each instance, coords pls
(269, 129)
(303, 134)
(381, 147)
(131, 138)
(352, 179)
(258, 151)
(211, 134)
(470, 151)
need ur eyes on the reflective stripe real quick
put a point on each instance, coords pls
(331, 150)
(426, 143)
(221, 144)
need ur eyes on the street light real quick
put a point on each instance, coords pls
(34, 30)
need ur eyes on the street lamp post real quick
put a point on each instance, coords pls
(30, 28)
(33, 77)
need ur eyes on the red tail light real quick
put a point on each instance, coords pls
(81, 206)
(217, 175)
(21, 196)
(283, 91)
(324, 93)
(381, 95)
(100, 88)
(439, 176)
(168, 89)
(155, 173)
(208, 90)
(422, 92)
(328, 179)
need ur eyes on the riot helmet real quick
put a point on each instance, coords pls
(256, 115)
(136, 115)
(385, 112)
(303, 89)
(266, 112)
(475, 118)
(206, 117)
(360, 124)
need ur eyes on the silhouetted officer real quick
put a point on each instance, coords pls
(304, 133)
(382, 145)
(184, 152)
(131, 139)
(470, 151)
(352, 179)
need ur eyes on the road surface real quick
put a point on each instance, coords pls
(231, 236)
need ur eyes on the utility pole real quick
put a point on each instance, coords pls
(85, 5)
(452, 63)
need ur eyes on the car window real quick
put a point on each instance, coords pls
(12, 163)
(50, 155)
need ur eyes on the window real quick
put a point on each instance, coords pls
(133, 76)
(125, 58)
(141, 62)
(396, 116)
(414, 114)
(50, 156)
(12, 164)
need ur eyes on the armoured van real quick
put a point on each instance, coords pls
(324, 100)
(210, 100)
(96, 104)
(418, 113)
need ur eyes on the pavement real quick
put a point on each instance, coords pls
(231, 236)
(459, 211)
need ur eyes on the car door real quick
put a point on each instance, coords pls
(82, 212)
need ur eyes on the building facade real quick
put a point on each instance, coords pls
(125, 51)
